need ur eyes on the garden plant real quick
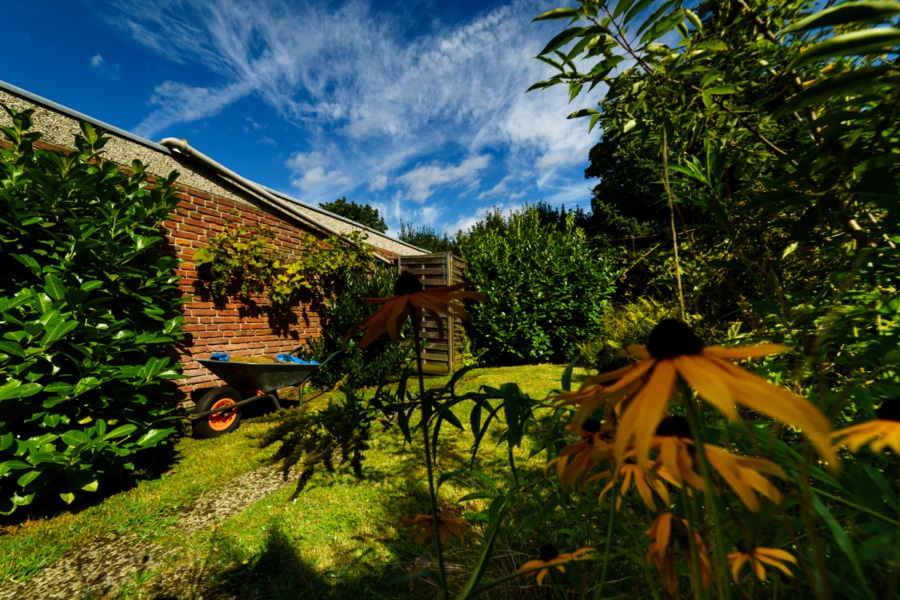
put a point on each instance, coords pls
(739, 432)
(774, 132)
(89, 317)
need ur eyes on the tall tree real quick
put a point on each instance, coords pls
(361, 213)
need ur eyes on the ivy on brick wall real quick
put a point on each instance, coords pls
(244, 261)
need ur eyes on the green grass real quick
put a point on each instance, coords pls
(342, 536)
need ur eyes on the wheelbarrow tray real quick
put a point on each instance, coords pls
(267, 377)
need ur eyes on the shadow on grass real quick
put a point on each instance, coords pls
(281, 572)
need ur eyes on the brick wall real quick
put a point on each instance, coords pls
(238, 328)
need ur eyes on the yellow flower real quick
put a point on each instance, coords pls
(664, 557)
(675, 350)
(422, 525)
(411, 298)
(675, 457)
(675, 453)
(744, 475)
(575, 461)
(879, 434)
(645, 480)
(550, 557)
(757, 559)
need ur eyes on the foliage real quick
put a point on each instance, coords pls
(89, 309)
(358, 367)
(546, 287)
(245, 260)
(361, 213)
(428, 239)
(773, 132)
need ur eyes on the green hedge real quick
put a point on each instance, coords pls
(89, 311)
(546, 287)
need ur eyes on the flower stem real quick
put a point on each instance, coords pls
(426, 416)
(606, 550)
(712, 507)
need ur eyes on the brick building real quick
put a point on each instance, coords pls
(211, 194)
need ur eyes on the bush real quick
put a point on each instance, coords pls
(376, 362)
(546, 288)
(89, 306)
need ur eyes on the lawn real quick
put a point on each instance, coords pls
(210, 519)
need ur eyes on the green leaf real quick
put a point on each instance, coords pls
(93, 486)
(54, 287)
(89, 286)
(15, 389)
(848, 12)
(153, 437)
(869, 41)
(563, 38)
(28, 477)
(842, 539)
(68, 497)
(121, 431)
(499, 507)
(512, 409)
(74, 438)
(29, 262)
(558, 13)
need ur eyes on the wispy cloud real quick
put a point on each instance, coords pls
(422, 180)
(97, 62)
(379, 111)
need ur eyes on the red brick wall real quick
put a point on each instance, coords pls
(232, 327)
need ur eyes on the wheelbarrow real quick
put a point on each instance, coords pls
(219, 410)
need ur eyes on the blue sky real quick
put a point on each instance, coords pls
(417, 107)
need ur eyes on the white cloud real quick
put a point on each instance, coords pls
(179, 103)
(378, 183)
(367, 99)
(422, 180)
(311, 172)
(97, 62)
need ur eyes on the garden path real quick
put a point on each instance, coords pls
(111, 563)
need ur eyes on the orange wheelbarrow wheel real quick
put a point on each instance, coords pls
(218, 423)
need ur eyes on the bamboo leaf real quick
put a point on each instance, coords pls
(869, 41)
(848, 12)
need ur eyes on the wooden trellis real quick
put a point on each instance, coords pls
(442, 354)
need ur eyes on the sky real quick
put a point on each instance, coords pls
(416, 107)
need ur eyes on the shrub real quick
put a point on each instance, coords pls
(361, 366)
(88, 309)
(546, 287)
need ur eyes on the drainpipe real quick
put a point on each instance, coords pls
(184, 148)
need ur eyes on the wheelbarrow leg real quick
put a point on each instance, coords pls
(275, 401)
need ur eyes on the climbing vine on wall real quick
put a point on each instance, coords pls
(244, 261)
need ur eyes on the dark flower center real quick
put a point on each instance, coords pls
(406, 284)
(548, 552)
(591, 426)
(674, 427)
(889, 410)
(671, 338)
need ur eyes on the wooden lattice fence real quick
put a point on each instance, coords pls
(443, 352)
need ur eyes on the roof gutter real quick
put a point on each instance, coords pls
(269, 198)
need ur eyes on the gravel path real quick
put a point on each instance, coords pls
(100, 569)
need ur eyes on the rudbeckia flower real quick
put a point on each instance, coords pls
(675, 453)
(879, 434)
(757, 559)
(550, 557)
(575, 461)
(645, 480)
(422, 525)
(744, 475)
(673, 351)
(665, 528)
(411, 298)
